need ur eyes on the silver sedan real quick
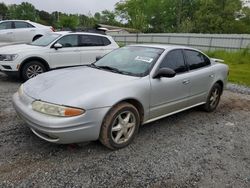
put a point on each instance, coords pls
(110, 99)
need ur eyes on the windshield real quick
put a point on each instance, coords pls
(45, 40)
(135, 60)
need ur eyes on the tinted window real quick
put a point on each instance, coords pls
(174, 60)
(5, 25)
(69, 41)
(90, 40)
(19, 25)
(106, 41)
(196, 59)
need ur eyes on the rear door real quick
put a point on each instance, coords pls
(68, 55)
(24, 32)
(201, 76)
(92, 46)
(170, 94)
(6, 32)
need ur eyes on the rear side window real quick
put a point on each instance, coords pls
(196, 59)
(5, 25)
(19, 25)
(106, 41)
(174, 60)
(91, 40)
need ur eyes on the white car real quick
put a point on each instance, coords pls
(22, 31)
(52, 51)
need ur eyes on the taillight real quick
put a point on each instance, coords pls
(52, 29)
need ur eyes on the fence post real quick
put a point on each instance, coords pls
(125, 40)
(241, 42)
(210, 43)
(188, 42)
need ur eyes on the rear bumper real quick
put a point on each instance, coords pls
(59, 129)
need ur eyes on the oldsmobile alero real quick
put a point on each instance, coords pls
(110, 99)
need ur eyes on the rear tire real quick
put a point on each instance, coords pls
(120, 126)
(213, 98)
(32, 69)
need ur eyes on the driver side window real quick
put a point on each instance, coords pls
(174, 60)
(69, 41)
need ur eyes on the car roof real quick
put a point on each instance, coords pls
(164, 46)
(28, 21)
(15, 20)
(79, 33)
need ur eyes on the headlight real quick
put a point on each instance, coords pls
(8, 57)
(20, 90)
(56, 110)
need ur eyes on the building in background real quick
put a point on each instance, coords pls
(113, 30)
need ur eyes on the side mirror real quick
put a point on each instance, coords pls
(57, 46)
(165, 72)
(98, 58)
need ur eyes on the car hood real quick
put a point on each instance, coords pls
(71, 85)
(14, 49)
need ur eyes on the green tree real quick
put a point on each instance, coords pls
(3, 11)
(87, 22)
(24, 11)
(216, 16)
(68, 21)
(45, 17)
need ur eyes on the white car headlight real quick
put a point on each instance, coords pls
(8, 57)
(56, 110)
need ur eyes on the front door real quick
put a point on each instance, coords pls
(170, 94)
(68, 55)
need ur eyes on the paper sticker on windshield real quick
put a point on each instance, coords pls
(145, 59)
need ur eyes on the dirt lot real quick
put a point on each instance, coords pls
(190, 149)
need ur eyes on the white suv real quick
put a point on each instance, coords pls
(21, 31)
(55, 50)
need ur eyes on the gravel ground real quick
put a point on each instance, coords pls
(190, 149)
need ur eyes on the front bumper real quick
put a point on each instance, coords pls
(9, 66)
(61, 130)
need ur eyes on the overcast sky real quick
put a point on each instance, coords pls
(69, 6)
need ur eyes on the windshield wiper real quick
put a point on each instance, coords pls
(110, 68)
(93, 66)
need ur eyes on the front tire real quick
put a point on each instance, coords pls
(32, 69)
(213, 98)
(120, 126)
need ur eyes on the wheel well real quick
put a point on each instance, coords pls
(33, 59)
(36, 37)
(137, 105)
(220, 83)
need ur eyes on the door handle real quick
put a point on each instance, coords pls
(32, 30)
(185, 82)
(211, 75)
(77, 50)
(9, 33)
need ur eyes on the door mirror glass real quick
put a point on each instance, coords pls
(57, 45)
(165, 72)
